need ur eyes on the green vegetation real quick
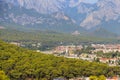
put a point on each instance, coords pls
(21, 64)
(48, 36)
(102, 77)
(109, 54)
(48, 39)
(3, 76)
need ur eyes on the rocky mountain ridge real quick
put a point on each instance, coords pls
(76, 12)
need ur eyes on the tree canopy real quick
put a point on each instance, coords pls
(3, 76)
(21, 64)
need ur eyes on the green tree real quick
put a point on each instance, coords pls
(102, 77)
(3, 76)
(93, 78)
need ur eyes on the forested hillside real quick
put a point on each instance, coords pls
(49, 39)
(23, 64)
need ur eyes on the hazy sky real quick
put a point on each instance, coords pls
(91, 1)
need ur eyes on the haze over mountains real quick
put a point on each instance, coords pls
(63, 15)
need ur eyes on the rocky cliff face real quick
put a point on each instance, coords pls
(42, 6)
(106, 10)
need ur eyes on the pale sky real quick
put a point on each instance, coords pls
(74, 3)
(90, 1)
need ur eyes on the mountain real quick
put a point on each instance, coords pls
(106, 11)
(42, 6)
(63, 15)
(101, 32)
(31, 19)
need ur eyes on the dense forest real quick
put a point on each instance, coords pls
(49, 39)
(24, 64)
(15, 35)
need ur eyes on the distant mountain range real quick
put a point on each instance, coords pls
(62, 15)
